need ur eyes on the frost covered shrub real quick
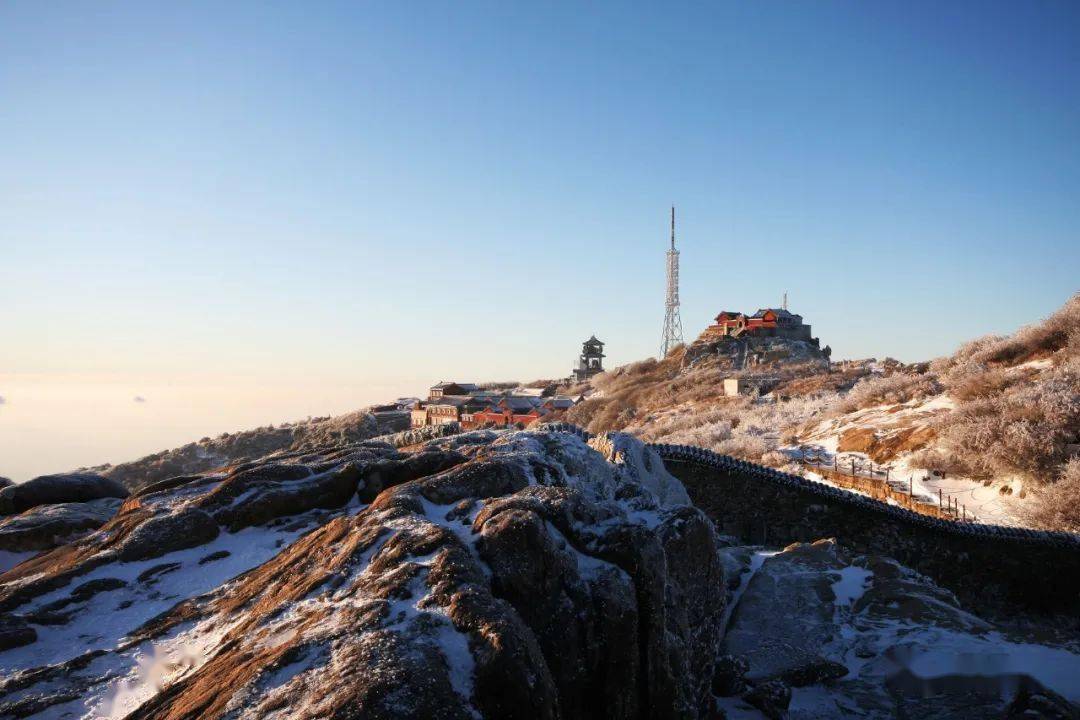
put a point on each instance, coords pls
(743, 427)
(1057, 507)
(750, 447)
(978, 383)
(1024, 430)
(1010, 420)
(889, 389)
(707, 436)
(1052, 334)
(939, 460)
(775, 458)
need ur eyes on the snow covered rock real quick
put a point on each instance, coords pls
(230, 449)
(862, 636)
(782, 623)
(492, 574)
(46, 526)
(52, 489)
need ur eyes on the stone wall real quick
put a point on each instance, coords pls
(991, 567)
(988, 565)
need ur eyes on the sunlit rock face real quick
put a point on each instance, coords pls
(530, 574)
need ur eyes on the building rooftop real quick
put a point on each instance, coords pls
(780, 312)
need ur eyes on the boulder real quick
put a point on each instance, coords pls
(772, 698)
(265, 492)
(52, 489)
(786, 615)
(15, 632)
(729, 676)
(156, 536)
(816, 671)
(47, 526)
(1034, 702)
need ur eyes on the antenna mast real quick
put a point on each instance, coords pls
(672, 322)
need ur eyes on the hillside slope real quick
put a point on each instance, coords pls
(995, 426)
(210, 453)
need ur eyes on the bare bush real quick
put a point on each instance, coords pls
(979, 384)
(889, 389)
(1059, 330)
(742, 427)
(938, 460)
(1057, 506)
(750, 447)
(1025, 430)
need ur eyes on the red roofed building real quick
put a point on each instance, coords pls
(510, 411)
(769, 322)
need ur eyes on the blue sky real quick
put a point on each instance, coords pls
(397, 193)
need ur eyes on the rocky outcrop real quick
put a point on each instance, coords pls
(423, 434)
(754, 352)
(52, 489)
(46, 526)
(820, 632)
(488, 574)
(234, 448)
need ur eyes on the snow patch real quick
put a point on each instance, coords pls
(851, 585)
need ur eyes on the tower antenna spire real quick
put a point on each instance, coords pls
(785, 300)
(672, 322)
(672, 227)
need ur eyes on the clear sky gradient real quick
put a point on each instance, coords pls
(380, 195)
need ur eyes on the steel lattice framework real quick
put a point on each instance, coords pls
(672, 322)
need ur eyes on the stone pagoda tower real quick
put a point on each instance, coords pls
(591, 361)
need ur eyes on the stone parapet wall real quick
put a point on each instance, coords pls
(989, 565)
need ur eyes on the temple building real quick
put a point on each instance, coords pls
(767, 322)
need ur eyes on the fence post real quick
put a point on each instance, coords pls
(887, 474)
(939, 498)
(852, 467)
(965, 513)
(910, 486)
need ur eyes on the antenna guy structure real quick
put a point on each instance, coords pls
(672, 322)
